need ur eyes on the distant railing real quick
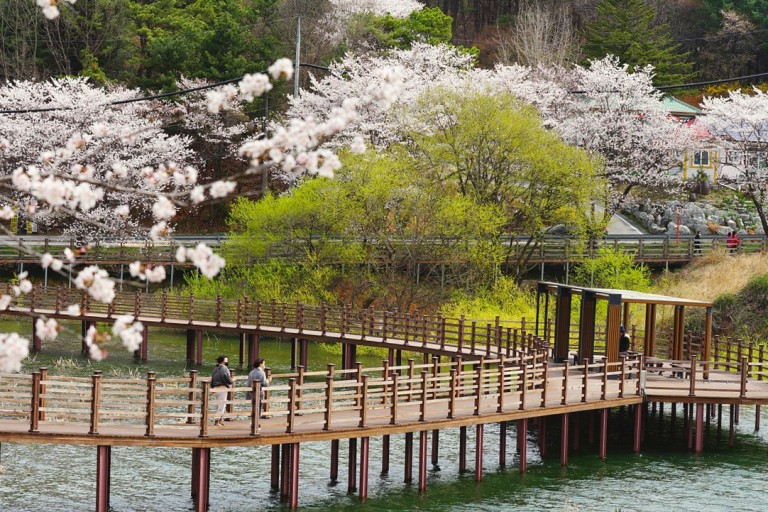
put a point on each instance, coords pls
(644, 248)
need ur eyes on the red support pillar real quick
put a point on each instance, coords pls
(275, 468)
(564, 440)
(503, 444)
(241, 352)
(576, 431)
(103, 466)
(334, 461)
(142, 352)
(408, 457)
(638, 428)
(462, 449)
(423, 461)
(37, 343)
(293, 492)
(195, 474)
(203, 470)
(699, 428)
(352, 476)
(199, 347)
(294, 344)
(365, 444)
(479, 453)
(285, 471)
(435, 446)
(603, 433)
(522, 435)
(253, 348)
(542, 422)
(303, 353)
(385, 455)
(190, 346)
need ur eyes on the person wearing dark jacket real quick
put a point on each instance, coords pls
(221, 381)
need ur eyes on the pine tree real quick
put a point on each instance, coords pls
(626, 29)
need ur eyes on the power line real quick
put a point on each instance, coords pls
(323, 68)
(149, 98)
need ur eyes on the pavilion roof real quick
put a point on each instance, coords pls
(628, 295)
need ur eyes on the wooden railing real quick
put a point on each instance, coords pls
(357, 397)
(434, 331)
(645, 248)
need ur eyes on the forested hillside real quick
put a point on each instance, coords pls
(152, 43)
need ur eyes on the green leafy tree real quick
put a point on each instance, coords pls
(626, 29)
(613, 268)
(381, 228)
(211, 39)
(494, 150)
(430, 25)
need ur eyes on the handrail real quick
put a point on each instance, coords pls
(494, 387)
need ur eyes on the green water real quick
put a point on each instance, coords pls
(665, 477)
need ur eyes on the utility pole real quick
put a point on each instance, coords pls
(297, 62)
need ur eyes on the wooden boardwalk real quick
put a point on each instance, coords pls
(553, 250)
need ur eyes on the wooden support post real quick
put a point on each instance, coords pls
(294, 345)
(435, 446)
(275, 468)
(365, 444)
(37, 342)
(334, 461)
(522, 436)
(462, 449)
(479, 452)
(542, 435)
(408, 457)
(253, 348)
(241, 352)
(195, 474)
(732, 429)
(422, 461)
(576, 431)
(603, 433)
(293, 491)
(303, 352)
(203, 479)
(699, 428)
(285, 471)
(503, 444)
(565, 420)
(199, 347)
(190, 346)
(638, 430)
(352, 461)
(757, 416)
(103, 466)
(385, 455)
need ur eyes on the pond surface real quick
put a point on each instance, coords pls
(665, 477)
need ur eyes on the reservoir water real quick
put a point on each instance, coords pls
(666, 476)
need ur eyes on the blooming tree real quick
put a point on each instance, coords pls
(377, 123)
(80, 170)
(86, 141)
(618, 115)
(740, 123)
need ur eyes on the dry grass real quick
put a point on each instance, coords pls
(712, 275)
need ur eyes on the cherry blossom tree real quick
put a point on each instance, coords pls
(81, 136)
(740, 123)
(75, 175)
(377, 123)
(618, 116)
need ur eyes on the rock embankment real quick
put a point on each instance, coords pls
(663, 218)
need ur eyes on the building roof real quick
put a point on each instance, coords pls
(679, 108)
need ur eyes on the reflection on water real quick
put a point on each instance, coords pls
(666, 476)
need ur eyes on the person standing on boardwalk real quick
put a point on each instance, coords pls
(624, 341)
(221, 381)
(697, 243)
(258, 375)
